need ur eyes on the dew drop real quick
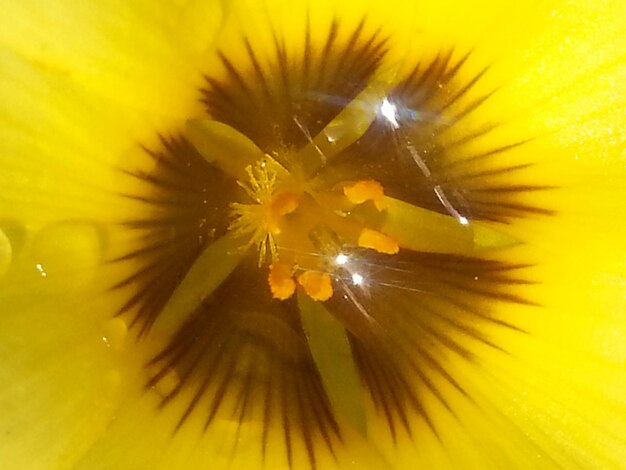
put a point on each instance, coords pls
(167, 383)
(66, 254)
(41, 270)
(114, 335)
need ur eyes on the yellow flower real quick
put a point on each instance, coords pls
(304, 235)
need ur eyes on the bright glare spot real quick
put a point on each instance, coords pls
(388, 110)
(357, 279)
(40, 269)
(463, 220)
(341, 259)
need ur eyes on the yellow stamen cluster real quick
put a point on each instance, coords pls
(285, 243)
(262, 221)
(300, 226)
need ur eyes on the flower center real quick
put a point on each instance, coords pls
(299, 226)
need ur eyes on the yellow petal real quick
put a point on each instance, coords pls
(84, 87)
(77, 100)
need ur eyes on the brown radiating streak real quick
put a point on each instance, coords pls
(243, 354)
(422, 310)
(186, 207)
(305, 89)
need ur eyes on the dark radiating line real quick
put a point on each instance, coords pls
(267, 415)
(328, 47)
(444, 373)
(370, 374)
(465, 89)
(488, 153)
(467, 111)
(258, 71)
(234, 74)
(304, 424)
(430, 385)
(307, 57)
(285, 419)
(475, 135)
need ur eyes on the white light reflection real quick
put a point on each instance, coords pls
(341, 259)
(448, 205)
(357, 279)
(41, 270)
(388, 110)
(349, 265)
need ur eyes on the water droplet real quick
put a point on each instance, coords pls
(67, 253)
(41, 270)
(167, 383)
(115, 332)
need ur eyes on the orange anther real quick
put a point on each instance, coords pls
(281, 281)
(317, 285)
(366, 190)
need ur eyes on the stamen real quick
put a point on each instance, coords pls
(420, 229)
(210, 269)
(351, 123)
(261, 182)
(304, 153)
(262, 221)
(378, 241)
(330, 347)
(223, 146)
